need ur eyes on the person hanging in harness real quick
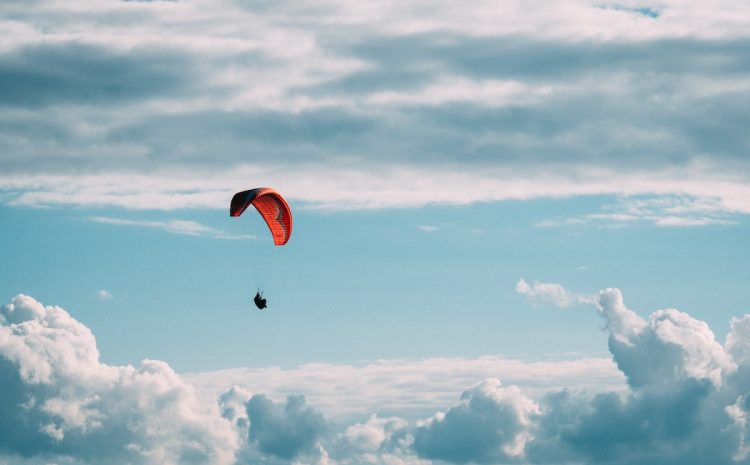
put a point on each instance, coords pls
(260, 302)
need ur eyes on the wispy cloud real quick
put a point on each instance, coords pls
(666, 211)
(187, 227)
(103, 294)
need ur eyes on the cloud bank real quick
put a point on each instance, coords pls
(166, 105)
(59, 399)
(686, 401)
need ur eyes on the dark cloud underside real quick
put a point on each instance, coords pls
(78, 74)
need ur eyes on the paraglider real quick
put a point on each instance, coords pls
(275, 212)
(260, 302)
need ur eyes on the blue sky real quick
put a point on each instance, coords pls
(520, 232)
(433, 281)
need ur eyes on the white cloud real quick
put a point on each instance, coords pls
(59, 397)
(621, 322)
(739, 416)
(78, 408)
(551, 293)
(233, 403)
(686, 402)
(670, 345)
(383, 187)
(372, 434)
(409, 388)
(491, 425)
(453, 90)
(666, 211)
(738, 340)
(103, 294)
(187, 227)
(375, 104)
(284, 430)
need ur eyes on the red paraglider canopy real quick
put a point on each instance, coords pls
(272, 207)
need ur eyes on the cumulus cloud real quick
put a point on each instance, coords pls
(550, 294)
(233, 406)
(491, 425)
(374, 434)
(670, 346)
(682, 406)
(647, 426)
(283, 430)
(738, 340)
(59, 399)
(687, 401)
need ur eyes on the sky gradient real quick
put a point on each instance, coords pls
(521, 232)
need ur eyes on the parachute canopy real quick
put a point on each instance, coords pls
(272, 207)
